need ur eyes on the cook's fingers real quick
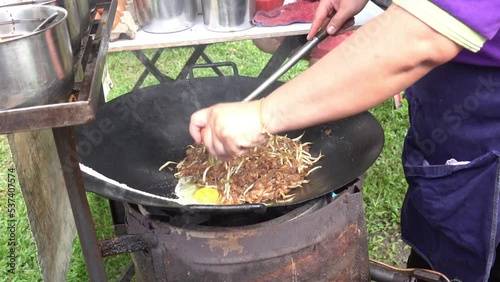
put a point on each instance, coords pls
(322, 12)
(220, 151)
(229, 146)
(347, 25)
(239, 147)
(242, 151)
(207, 140)
(197, 124)
(338, 20)
(350, 22)
(214, 145)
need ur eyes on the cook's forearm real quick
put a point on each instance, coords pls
(380, 59)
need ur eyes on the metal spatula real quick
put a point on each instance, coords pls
(320, 36)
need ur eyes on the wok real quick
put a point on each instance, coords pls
(133, 135)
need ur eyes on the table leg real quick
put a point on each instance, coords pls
(150, 67)
(197, 53)
(65, 140)
(282, 53)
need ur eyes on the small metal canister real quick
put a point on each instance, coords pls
(164, 16)
(228, 15)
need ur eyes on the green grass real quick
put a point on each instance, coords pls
(384, 186)
(26, 262)
(125, 69)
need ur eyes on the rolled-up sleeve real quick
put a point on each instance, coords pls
(483, 16)
(468, 23)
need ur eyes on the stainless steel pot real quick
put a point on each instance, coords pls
(228, 15)
(78, 16)
(37, 67)
(164, 16)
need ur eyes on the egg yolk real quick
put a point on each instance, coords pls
(206, 195)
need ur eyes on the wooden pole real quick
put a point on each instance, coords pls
(48, 208)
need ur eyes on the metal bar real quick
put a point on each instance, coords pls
(65, 140)
(93, 85)
(118, 217)
(94, 64)
(145, 73)
(120, 229)
(151, 67)
(125, 244)
(43, 117)
(85, 55)
(214, 66)
(279, 57)
(209, 61)
(101, 100)
(128, 274)
(380, 273)
(197, 53)
(298, 55)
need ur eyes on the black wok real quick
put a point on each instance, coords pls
(136, 133)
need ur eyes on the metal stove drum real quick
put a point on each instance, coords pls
(320, 240)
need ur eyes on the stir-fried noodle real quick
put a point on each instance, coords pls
(266, 173)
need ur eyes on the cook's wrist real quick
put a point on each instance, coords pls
(269, 116)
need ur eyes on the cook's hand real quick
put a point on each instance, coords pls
(343, 18)
(228, 129)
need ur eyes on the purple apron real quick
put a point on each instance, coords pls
(451, 162)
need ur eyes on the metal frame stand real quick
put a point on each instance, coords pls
(65, 140)
(278, 58)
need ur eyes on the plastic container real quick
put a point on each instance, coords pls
(268, 5)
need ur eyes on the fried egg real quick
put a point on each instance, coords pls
(192, 194)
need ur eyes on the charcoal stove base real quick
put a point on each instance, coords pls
(310, 244)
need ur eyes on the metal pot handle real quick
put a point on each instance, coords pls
(215, 67)
(128, 244)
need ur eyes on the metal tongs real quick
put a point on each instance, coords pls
(304, 50)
